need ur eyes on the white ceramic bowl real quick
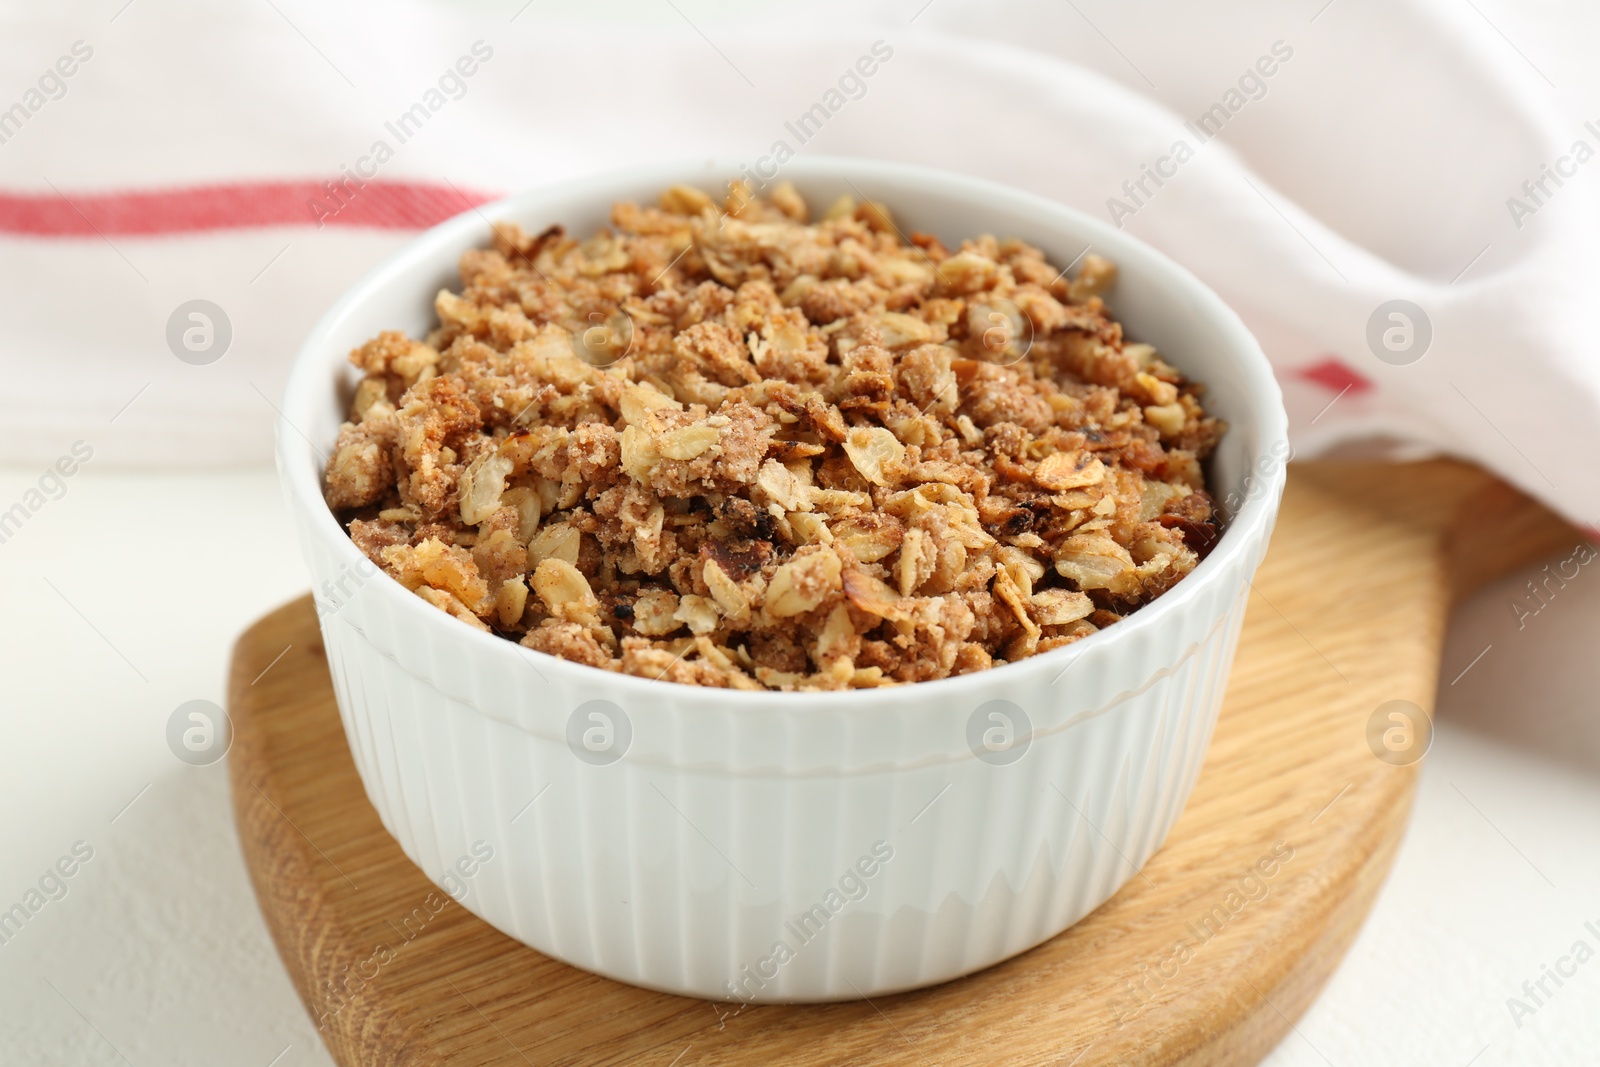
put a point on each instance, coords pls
(785, 846)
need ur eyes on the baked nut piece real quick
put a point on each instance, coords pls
(723, 445)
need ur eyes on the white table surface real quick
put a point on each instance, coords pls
(123, 599)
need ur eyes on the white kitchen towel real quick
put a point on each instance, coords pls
(1394, 196)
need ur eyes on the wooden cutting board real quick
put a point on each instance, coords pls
(1193, 962)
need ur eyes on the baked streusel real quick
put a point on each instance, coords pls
(723, 446)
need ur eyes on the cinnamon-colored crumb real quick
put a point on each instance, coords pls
(732, 448)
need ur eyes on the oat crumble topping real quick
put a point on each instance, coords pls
(734, 448)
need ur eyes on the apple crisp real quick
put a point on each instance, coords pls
(723, 445)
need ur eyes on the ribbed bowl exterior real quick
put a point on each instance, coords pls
(786, 846)
(717, 835)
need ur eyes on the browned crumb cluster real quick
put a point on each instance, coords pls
(723, 446)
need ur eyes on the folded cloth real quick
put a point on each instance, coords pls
(1392, 198)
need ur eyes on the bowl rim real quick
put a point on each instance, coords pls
(301, 477)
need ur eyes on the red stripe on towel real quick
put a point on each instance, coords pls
(384, 205)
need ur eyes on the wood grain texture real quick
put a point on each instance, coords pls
(1347, 612)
